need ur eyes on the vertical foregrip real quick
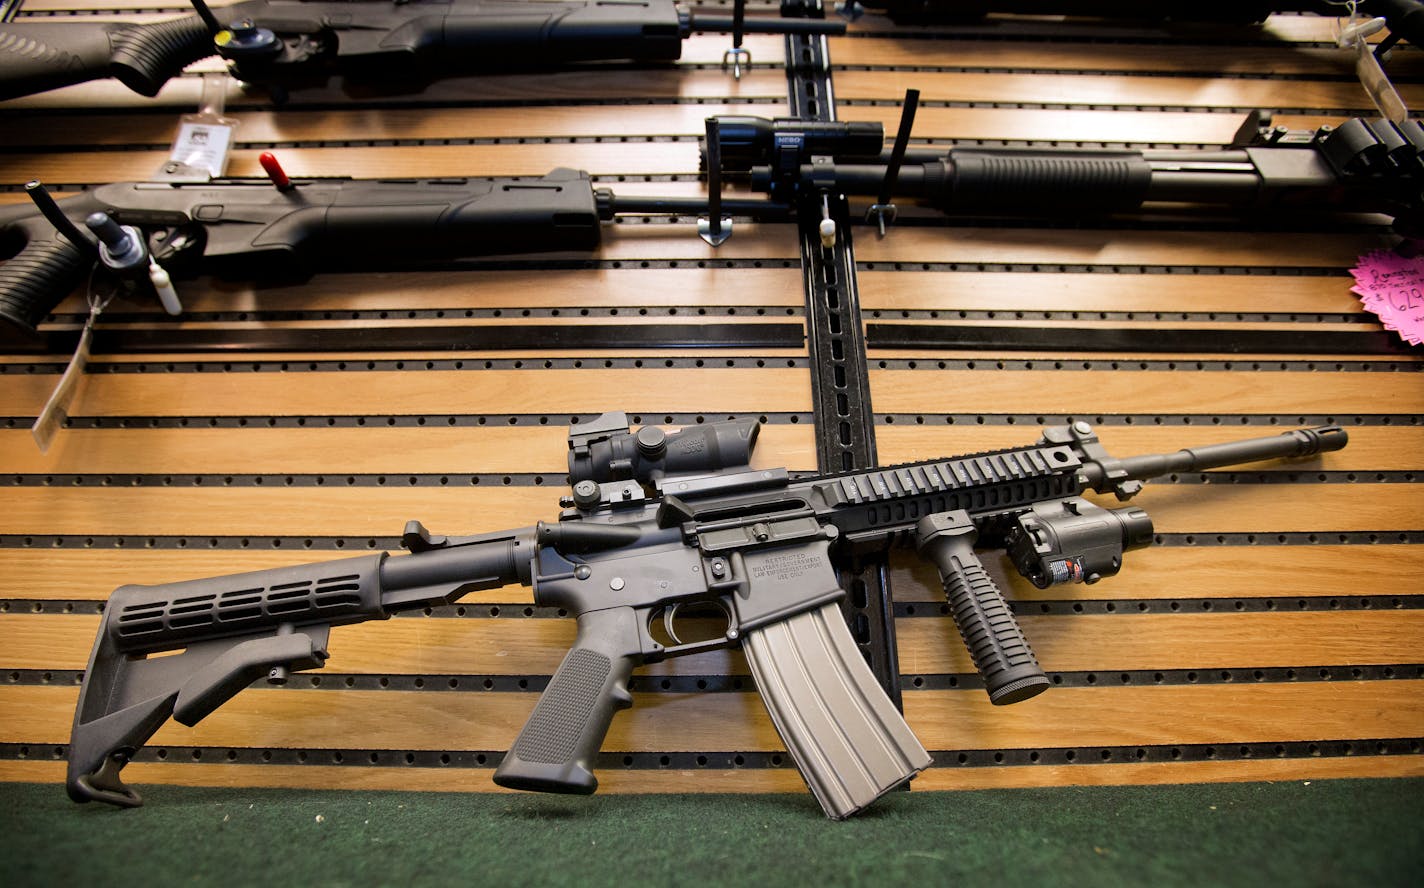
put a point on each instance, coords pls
(997, 645)
(556, 749)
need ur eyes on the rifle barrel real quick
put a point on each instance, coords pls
(767, 25)
(1295, 443)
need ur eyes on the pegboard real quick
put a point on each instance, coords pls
(1272, 632)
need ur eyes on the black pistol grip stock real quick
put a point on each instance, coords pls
(148, 56)
(36, 279)
(997, 645)
(555, 750)
(39, 56)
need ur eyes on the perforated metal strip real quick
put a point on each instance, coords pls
(903, 609)
(949, 474)
(840, 380)
(465, 420)
(688, 684)
(409, 365)
(724, 760)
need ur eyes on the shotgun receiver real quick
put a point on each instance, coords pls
(1370, 166)
(660, 523)
(246, 228)
(292, 42)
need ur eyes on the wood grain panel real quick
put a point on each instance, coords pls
(93, 573)
(757, 780)
(612, 84)
(1163, 59)
(1283, 27)
(568, 289)
(407, 646)
(1088, 89)
(1258, 508)
(1144, 391)
(634, 158)
(737, 721)
(1078, 125)
(1069, 247)
(927, 645)
(1066, 329)
(649, 389)
(340, 450)
(1212, 572)
(1166, 772)
(439, 448)
(1167, 715)
(1179, 641)
(382, 511)
(369, 124)
(1215, 572)
(890, 291)
(631, 242)
(1371, 448)
(314, 511)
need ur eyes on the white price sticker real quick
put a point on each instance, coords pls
(202, 145)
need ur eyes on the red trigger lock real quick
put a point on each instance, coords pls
(274, 171)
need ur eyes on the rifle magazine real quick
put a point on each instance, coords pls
(850, 743)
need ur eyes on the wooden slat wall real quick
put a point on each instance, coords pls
(1274, 632)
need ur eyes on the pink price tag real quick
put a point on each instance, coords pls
(1392, 287)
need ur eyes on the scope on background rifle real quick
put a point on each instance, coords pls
(658, 522)
(1359, 166)
(1405, 17)
(246, 228)
(291, 42)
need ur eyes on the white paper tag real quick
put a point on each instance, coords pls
(1376, 83)
(56, 409)
(202, 144)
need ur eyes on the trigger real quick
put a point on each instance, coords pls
(669, 615)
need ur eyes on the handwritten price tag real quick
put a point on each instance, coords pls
(1392, 287)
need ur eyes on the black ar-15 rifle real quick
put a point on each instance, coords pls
(293, 42)
(246, 228)
(660, 521)
(1371, 166)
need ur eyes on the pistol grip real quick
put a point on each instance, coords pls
(997, 645)
(556, 748)
(37, 278)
